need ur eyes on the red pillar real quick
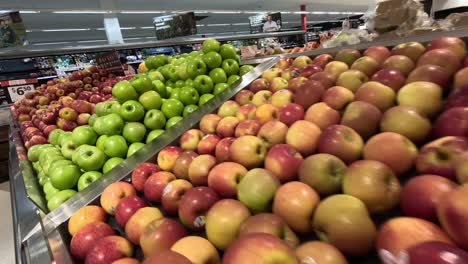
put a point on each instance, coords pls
(303, 18)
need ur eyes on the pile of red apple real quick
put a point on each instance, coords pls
(320, 146)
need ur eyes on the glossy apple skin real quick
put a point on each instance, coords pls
(259, 84)
(363, 117)
(224, 177)
(366, 64)
(453, 215)
(208, 123)
(381, 96)
(189, 140)
(138, 221)
(320, 252)
(303, 136)
(86, 238)
(160, 234)
(337, 97)
(247, 127)
(167, 157)
(155, 185)
(322, 115)
(199, 169)
(141, 173)
(208, 144)
(84, 216)
(284, 161)
(309, 93)
(413, 50)
(205, 252)
(456, 45)
(273, 132)
(457, 98)
(326, 79)
(399, 62)
(407, 121)
(113, 193)
(452, 122)
(378, 53)
(167, 256)
(127, 207)
(172, 193)
(430, 73)
(248, 151)
(441, 57)
(194, 205)
(222, 149)
(322, 60)
(341, 141)
(461, 78)
(435, 252)
(290, 113)
(390, 77)
(109, 249)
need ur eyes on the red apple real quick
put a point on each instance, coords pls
(391, 78)
(141, 173)
(303, 136)
(167, 256)
(273, 132)
(363, 117)
(453, 215)
(337, 97)
(381, 96)
(127, 207)
(224, 177)
(460, 79)
(207, 144)
(444, 58)
(247, 127)
(283, 63)
(430, 73)
(367, 65)
(200, 167)
(138, 221)
(172, 194)
(155, 184)
(259, 84)
(159, 235)
(322, 60)
(378, 53)
(283, 161)
(167, 157)
(320, 252)
(412, 50)
(400, 63)
(109, 249)
(341, 141)
(266, 112)
(226, 128)
(86, 238)
(452, 122)
(456, 45)
(291, 113)
(182, 164)
(190, 139)
(435, 252)
(246, 112)
(208, 123)
(194, 205)
(296, 83)
(244, 97)
(248, 151)
(309, 93)
(458, 97)
(326, 79)
(322, 115)
(113, 193)
(222, 149)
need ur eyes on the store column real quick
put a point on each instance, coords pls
(111, 23)
(303, 18)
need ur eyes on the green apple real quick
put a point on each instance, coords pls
(232, 79)
(115, 146)
(49, 188)
(114, 109)
(53, 137)
(110, 164)
(189, 95)
(203, 84)
(59, 198)
(228, 51)
(212, 59)
(153, 134)
(100, 142)
(257, 189)
(245, 69)
(65, 176)
(134, 147)
(132, 111)
(150, 100)
(210, 45)
(57, 163)
(111, 124)
(160, 87)
(154, 119)
(92, 119)
(173, 72)
(134, 132)
(189, 83)
(100, 109)
(219, 87)
(155, 76)
(172, 121)
(50, 154)
(205, 98)
(84, 135)
(165, 71)
(124, 91)
(42, 178)
(68, 147)
(155, 61)
(175, 94)
(63, 136)
(141, 83)
(195, 54)
(172, 107)
(35, 151)
(230, 66)
(189, 109)
(51, 160)
(89, 158)
(182, 71)
(87, 178)
(170, 84)
(218, 75)
(195, 67)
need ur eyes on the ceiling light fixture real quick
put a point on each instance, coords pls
(146, 27)
(29, 11)
(92, 40)
(127, 28)
(217, 25)
(224, 12)
(240, 24)
(142, 12)
(81, 12)
(64, 29)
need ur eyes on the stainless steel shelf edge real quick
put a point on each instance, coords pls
(64, 212)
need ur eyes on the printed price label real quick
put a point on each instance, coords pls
(17, 92)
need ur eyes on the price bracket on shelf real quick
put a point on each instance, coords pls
(14, 90)
(17, 92)
(110, 61)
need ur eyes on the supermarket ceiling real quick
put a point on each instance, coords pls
(69, 21)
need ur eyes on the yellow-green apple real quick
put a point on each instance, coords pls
(85, 215)
(226, 127)
(436, 252)
(326, 79)
(283, 161)
(347, 56)
(222, 149)
(207, 144)
(113, 193)
(363, 117)
(337, 97)
(452, 122)
(278, 83)
(155, 185)
(323, 172)
(378, 53)
(168, 156)
(257, 189)
(259, 84)
(296, 83)
(194, 206)
(189, 140)
(138, 221)
(351, 80)
(247, 127)
(456, 45)
(141, 173)
(261, 97)
(203, 253)
(281, 98)
(269, 224)
(382, 96)
(266, 112)
(182, 164)
(127, 207)
(341, 216)
(301, 62)
(420, 196)
(228, 108)
(303, 136)
(246, 112)
(335, 68)
(439, 156)
(367, 65)
(244, 97)
(460, 79)
(431, 73)
(322, 60)
(283, 63)
(461, 168)
(199, 168)
(424, 96)
(109, 249)
(374, 183)
(453, 215)
(224, 177)
(399, 234)
(160, 234)
(390, 77)
(86, 238)
(322, 114)
(400, 63)
(310, 70)
(444, 58)
(412, 50)
(289, 73)
(394, 150)
(341, 141)
(319, 252)
(223, 222)
(208, 123)
(295, 202)
(259, 248)
(407, 121)
(172, 194)
(290, 113)
(273, 132)
(309, 93)
(271, 73)
(167, 256)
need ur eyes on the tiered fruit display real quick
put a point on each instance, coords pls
(320, 147)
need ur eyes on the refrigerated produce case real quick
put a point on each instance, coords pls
(42, 237)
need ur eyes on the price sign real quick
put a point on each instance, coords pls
(17, 92)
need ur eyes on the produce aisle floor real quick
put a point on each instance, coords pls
(7, 251)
